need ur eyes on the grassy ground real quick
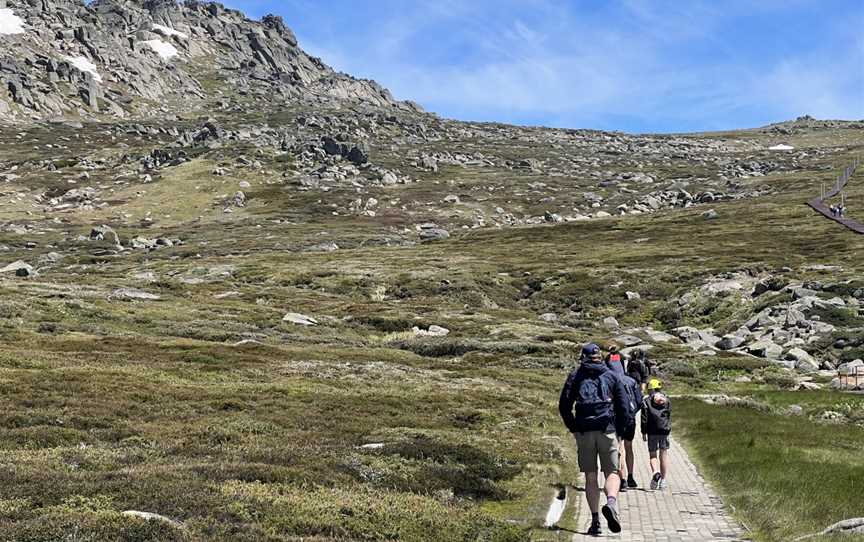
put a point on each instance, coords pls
(206, 407)
(784, 477)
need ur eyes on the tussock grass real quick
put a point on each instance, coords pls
(785, 476)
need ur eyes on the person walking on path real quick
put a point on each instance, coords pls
(634, 400)
(637, 369)
(656, 426)
(613, 359)
(593, 406)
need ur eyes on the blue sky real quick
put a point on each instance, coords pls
(632, 65)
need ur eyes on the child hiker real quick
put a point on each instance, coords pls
(656, 426)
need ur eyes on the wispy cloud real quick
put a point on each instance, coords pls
(634, 65)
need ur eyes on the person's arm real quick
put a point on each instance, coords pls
(644, 418)
(623, 414)
(565, 403)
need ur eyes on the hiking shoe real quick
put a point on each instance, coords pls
(595, 529)
(655, 480)
(631, 483)
(662, 485)
(611, 515)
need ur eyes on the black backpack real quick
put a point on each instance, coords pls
(594, 409)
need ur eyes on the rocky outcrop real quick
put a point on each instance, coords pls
(130, 58)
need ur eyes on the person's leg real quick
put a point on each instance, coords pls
(653, 448)
(587, 448)
(630, 459)
(592, 492)
(609, 456)
(664, 463)
(623, 460)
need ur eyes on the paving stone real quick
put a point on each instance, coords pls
(687, 511)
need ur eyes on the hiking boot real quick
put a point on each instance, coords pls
(655, 480)
(631, 483)
(595, 529)
(611, 515)
(662, 485)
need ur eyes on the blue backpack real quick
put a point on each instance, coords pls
(634, 396)
(594, 409)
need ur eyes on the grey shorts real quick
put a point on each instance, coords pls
(594, 444)
(658, 442)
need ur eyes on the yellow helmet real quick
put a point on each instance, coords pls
(654, 384)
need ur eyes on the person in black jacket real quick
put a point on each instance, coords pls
(638, 368)
(656, 426)
(634, 399)
(593, 406)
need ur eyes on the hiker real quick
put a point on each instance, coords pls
(840, 210)
(638, 369)
(833, 211)
(656, 426)
(634, 400)
(601, 414)
(613, 359)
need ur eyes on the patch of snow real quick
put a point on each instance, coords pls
(83, 64)
(10, 23)
(781, 147)
(168, 32)
(162, 48)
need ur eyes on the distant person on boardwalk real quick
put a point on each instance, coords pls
(656, 426)
(593, 406)
(638, 368)
(634, 401)
(833, 211)
(841, 210)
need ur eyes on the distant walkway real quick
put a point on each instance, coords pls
(819, 203)
(687, 511)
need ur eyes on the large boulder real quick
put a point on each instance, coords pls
(764, 348)
(659, 336)
(19, 269)
(803, 360)
(105, 233)
(730, 342)
(794, 318)
(430, 232)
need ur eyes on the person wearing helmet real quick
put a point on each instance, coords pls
(593, 406)
(656, 427)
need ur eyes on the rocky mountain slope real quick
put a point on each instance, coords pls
(126, 58)
(265, 301)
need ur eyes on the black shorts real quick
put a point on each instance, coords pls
(629, 432)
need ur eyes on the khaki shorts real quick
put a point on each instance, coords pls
(594, 444)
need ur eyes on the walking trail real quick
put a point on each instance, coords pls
(687, 511)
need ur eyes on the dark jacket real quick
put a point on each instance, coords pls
(634, 396)
(637, 369)
(656, 419)
(615, 364)
(621, 416)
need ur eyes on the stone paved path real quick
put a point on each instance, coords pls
(687, 511)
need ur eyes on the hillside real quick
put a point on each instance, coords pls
(268, 301)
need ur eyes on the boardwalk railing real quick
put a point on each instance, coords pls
(853, 379)
(818, 204)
